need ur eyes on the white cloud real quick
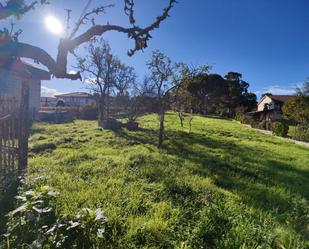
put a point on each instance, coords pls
(277, 90)
(91, 81)
(300, 85)
(49, 92)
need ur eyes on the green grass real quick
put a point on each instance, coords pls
(221, 186)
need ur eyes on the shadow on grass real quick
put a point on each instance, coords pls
(36, 130)
(261, 178)
(7, 201)
(213, 117)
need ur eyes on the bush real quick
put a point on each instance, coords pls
(240, 117)
(88, 112)
(301, 134)
(280, 129)
(56, 115)
(36, 224)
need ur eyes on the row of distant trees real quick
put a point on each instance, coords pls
(168, 85)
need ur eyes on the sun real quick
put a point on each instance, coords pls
(53, 25)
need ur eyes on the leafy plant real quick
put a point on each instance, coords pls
(35, 223)
(240, 117)
(280, 128)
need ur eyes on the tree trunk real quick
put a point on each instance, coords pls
(190, 124)
(161, 129)
(101, 110)
(190, 121)
(181, 118)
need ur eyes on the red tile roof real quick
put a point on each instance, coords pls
(281, 98)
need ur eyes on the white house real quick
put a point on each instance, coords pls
(76, 99)
(270, 107)
(48, 101)
(11, 76)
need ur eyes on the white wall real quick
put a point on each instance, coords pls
(268, 101)
(78, 101)
(10, 84)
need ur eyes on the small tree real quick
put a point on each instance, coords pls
(140, 100)
(124, 82)
(166, 78)
(161, 76)
(105, 75)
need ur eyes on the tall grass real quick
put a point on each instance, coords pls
(221, 186)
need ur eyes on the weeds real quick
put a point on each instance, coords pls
(222, 185)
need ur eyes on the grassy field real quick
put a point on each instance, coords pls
(221, 186)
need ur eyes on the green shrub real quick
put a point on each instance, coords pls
(36, 224)
(89, 112)
(280, 128)
(240, 117)
(301, 133)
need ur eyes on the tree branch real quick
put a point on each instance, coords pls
(58, 67)
(85, 18)
(17, 8)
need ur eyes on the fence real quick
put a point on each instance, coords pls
(8, 143)
(14, 131)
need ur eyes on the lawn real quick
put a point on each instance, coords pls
(223, 185)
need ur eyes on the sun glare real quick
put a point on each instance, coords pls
(53, 25)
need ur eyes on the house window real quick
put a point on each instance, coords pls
(277, 106)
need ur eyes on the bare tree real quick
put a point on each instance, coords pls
(125, 79)
(166, 78)
(162, 77)
(58, 66)
(141, 100)
(104, 74)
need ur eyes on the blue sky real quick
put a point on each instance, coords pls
(266, 40)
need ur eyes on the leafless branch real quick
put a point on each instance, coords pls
(58, 67)
(86, 17)
(129, 10)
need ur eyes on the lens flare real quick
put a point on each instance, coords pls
(53, 25)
